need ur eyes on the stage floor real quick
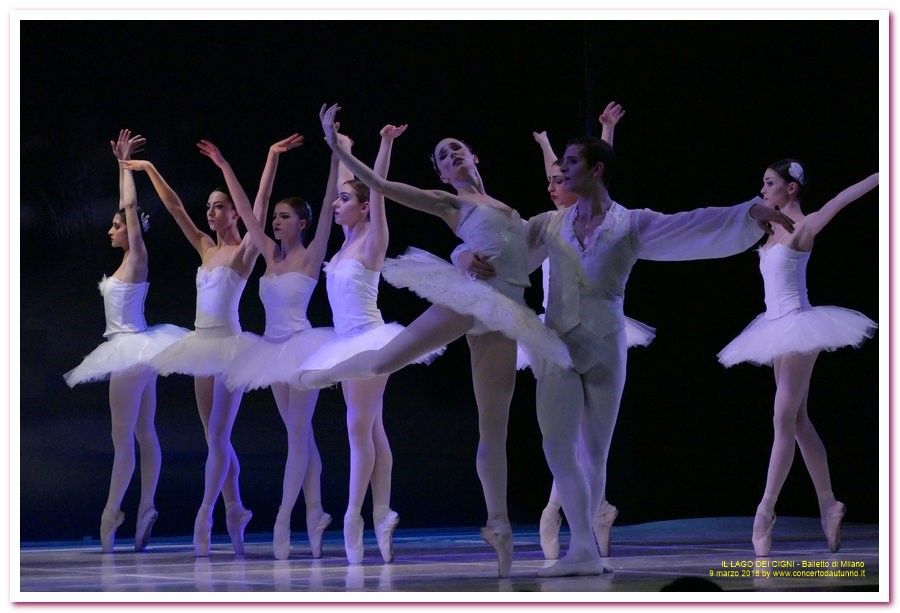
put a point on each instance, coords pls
(645, 558)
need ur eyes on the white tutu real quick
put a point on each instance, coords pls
(637, 334)
(260, 361)
(802, 331)
(441, 283)
(198, 354)
(345, 346)
(123, 352)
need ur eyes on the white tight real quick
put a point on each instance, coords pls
(791, 423)
(132, 404)
(493, 377)
(303, 466)
(218, 409)
(371, 461)
(581, 410)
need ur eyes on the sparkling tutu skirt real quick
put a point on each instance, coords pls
(441, 283)
(344, 346)
(124, 352)
(821, 328)
(260, 361)
(199, 354)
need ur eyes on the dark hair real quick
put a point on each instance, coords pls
(783, 169)
(360, 189)
(301, 208)
(142, 216)
(596, 150)
(225, 191)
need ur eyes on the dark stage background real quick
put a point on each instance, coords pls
(709, 105)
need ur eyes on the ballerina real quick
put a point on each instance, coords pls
(352, 283)
(789, 337)
(225, 265)
(285, 289)
(124, 359)
(491, 315)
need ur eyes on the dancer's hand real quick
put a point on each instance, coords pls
(391, 132)
(135, 164)
(127, 144)
(212, 152)
(766, 216)
(475, 265)
(286, 144)
(327, 116)
(611, 115)
(541, 137)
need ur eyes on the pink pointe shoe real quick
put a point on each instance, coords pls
(831, 525)
(384, 534)
(236, 524)
(281, 537)
(602, 526)
(762, 534)
(109, 522)
(315, 526)
(202, 533)
(549, 531)
(353, 538)
(142, 531)
(498, 534)
(304, 380)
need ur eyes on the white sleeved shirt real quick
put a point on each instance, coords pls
(587, 284)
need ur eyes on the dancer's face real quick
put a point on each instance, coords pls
(577, 174)
(452, 158)
(775, 190)
(286, 223)
(560, 196)
(220, 212)
(348, 210)
(118, 233)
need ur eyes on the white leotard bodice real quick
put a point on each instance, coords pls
(218, 296)
(784, 277)
(353, 295)
(500, 235)
(285, 298)
(123, 304)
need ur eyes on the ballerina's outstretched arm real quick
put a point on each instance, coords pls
(816, 222)
(198, 239)
(123, 148)
(436, 202)
(319, 244)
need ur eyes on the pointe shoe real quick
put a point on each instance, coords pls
(762, 534)
(384, 534)
(565, 568)
(499, 536)
(602, 526)
(353, 538)
(304, 380)
(831, 525)
(236, 524)
(202, 534)
(142, 531)
(549, 531)
(315, 526)
(108, 523)
(281, 537)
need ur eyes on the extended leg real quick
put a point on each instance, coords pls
(434, 328)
